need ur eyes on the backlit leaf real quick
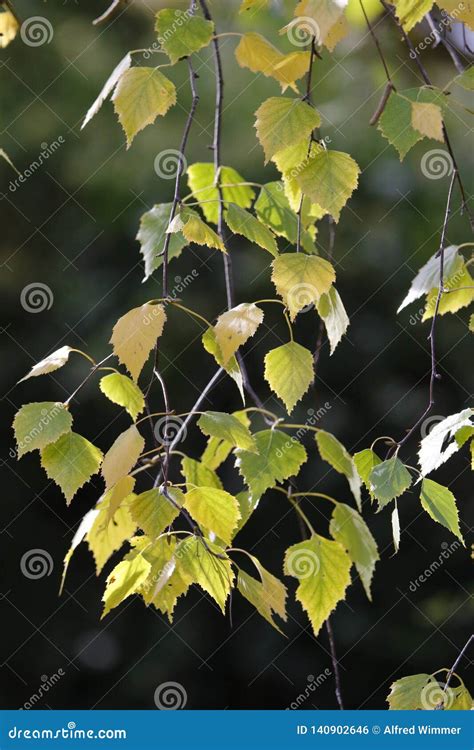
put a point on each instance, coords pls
(153, 512)
(365, 461)
(180, 33)
(329, 179)
(389, 480)
(140, 96)
(440, 504)
(301, 279)
(322, 568)
(461, 292)
(267, 595)
(40, 423)
(242, 222)
(428, 120)
(281, 122)
(231, 367)
(122, 456)
(8, 27)
(198, 474)
(323, 13)
(395, 123)
(151, 235)
(125, 580)
(214, 509)
(50, 363)
(108, 533)
(201, 178)
(108, 87)
(227, 427)
(410, 12)
(258, 55)
(440, 443)
(279, 457)
(349, 528)
(289, 372)
(332, 311)
(123, 391)
(427, 277)
(200, 565)
(164, 584)
(339, 458)
(273, 209)
(134, 335)
(194, 229)
(406, 693)
(234, 327)
(70, 462)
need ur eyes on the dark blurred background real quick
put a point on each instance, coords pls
(72, 226)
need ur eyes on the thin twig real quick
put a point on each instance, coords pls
(458, 659)
(335, 664)
(307, 99)
(377, 44)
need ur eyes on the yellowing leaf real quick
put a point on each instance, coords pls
(202, 183)
(273, 209)
(268, 595)
(396, 125)
(124, 392)
(198, 474)
(324, 14)
(164, 584)
(116, 495)
(406, 693)
(180, 33)
(460, 11)
(135, 334)
(279, 457)
(122, 456)
(151, 235)
(8, 28)
(50, 363)
(141, 95)
(108, 87)
(329, 179)
(440, 504)
(322, 568)
(70, 462)
(252, 5)
(282, 122)
(235, 327)
(108, 533)
(289, 372)
(428, 120)
(337, 33)
(410, 12)
(335, 453)
(214, 509)
(40, 423)
(301, 279)
(258, 55)
(242, 222)
(194, 229)
(232, 368)
(349, 528)
(388, 480)
(227, 427)
(461, 293)
(204, 565)
(125, 580)
(332, 311)
(153, 512)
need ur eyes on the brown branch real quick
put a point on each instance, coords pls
(389, 87)
(458, 659)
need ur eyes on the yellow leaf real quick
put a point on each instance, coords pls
(323, 14)
(122, 456)
(141, 95)
(460, 11)
(215, 510)
(125, 579)
(329, 178)
(8, 28)
(258, 55)
(301, 279)
(289, 372)
(460, 286)
(134, 335)
(410, 12)
(195, 229)
(153, 512)
(428, 120)
(108, 534)
(207, 565)
(282, 122)
(164, 584)
(337, 33)
(235, 327)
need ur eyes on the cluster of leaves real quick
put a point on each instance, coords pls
(181, 531)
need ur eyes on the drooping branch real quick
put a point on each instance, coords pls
(458, 659)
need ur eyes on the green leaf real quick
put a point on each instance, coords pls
(141, 95)
(199, 564)
(194, 229)
(268, 595)
(329, 179)
(405, 694)
(214, 509)
(427, 277)
(197, 474)
(322, 568)
(124, 392)
(227, 427)
(217, 450)
(122, 456)
(151, 236)
(395, 124)
(153, 512)
(273, 209)
(349, 528)
(339, 458)
(365, 461)
(440, 504)
(279, 457)
(231, 367)
(301, 279)
(201, 178)
(289, 372)
(50, 363)
(40, 423)
(125, 580)
(388, 480)
(440, 443)
(234, 327)
(466, 79)
(242, 222)
(247, 505)
(332, 311)
(282, 122)
(180, 33)
(134, 335)
(70, 462)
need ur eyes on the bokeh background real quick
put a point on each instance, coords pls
(72, 226)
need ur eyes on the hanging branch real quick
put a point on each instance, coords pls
(458, 659)
(335, 664)
(424, 74)
(307, 99)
